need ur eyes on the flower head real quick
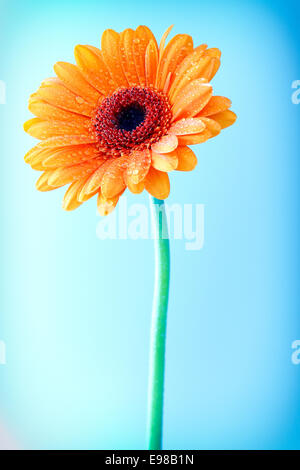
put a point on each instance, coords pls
(124, 116)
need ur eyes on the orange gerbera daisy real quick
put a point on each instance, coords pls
(124, 116)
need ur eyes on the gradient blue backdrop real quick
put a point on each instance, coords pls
(75, 311)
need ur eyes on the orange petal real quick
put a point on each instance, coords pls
(191, 99)
(187, 126)
(177, 49)
(151, 62)
(37, 159)
(201, 69)
(64, 175)
(212, 126)
(93, 183)
(187, 160)
(213, 52)
(163, 40)
(62, 141)
(69, 155)
(185, 68)
(110, 48)
(167, 83)
(31, 153)
(127, 56)
(146, 33)
(158, 184)
(225, 118)
(212, 69)
(165, 161)
(113, 181)
(142, 37)
(70, 201)
(194, 138)
(134, 188)
(42, 183)
(73, 79)
(90, 62)
(41, 129)
(54, 92)
(214, 65)
(47, 111)
(107, 205)
(200, 49)
(138, 166)
(166, 144)
(215, 105)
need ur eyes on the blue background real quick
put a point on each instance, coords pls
(75, 310)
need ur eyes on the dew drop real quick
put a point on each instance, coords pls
(79, 100)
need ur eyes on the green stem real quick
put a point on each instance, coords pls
(159, 324)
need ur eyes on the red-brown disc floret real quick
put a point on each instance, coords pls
(132, 118)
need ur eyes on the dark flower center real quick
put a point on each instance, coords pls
(131, 118)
